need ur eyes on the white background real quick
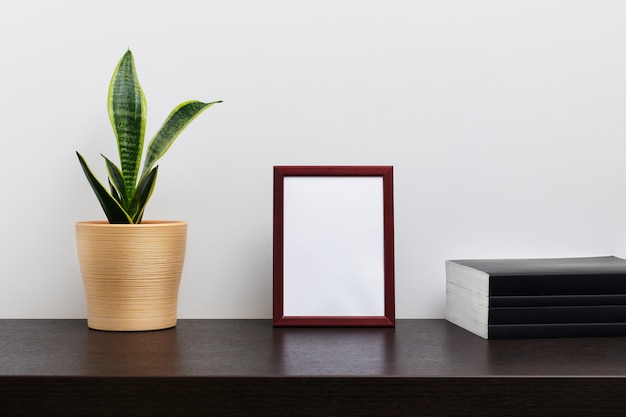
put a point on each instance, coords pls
(505, 122)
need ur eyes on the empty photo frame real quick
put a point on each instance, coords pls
(333, 246)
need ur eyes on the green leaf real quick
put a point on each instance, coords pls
(112, 209)
(176, 122)
(126, 105)
(142, 194)
(116, 180)
(115, 194)
(127, 112)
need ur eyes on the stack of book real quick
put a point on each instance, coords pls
(532, 298)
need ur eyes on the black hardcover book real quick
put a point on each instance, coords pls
(557, 300)
(557, 315)
(564, 297)
(562, 276)
(527, 331)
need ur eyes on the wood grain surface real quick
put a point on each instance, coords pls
(249, 368)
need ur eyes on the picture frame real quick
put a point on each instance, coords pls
(333, 248)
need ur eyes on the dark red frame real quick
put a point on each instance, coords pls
(388, 320)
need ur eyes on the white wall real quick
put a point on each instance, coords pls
(505, 121)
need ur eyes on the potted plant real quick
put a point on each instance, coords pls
(131, 267)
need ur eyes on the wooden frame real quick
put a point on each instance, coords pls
(333, 246)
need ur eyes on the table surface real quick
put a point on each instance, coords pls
(253, 348)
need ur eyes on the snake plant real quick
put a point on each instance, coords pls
(128, 193)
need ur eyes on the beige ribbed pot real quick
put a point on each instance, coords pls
(131, 273)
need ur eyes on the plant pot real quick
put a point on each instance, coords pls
(131, 273)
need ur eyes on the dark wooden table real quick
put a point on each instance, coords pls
(248, 368)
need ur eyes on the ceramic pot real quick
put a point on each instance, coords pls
(131, 273)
